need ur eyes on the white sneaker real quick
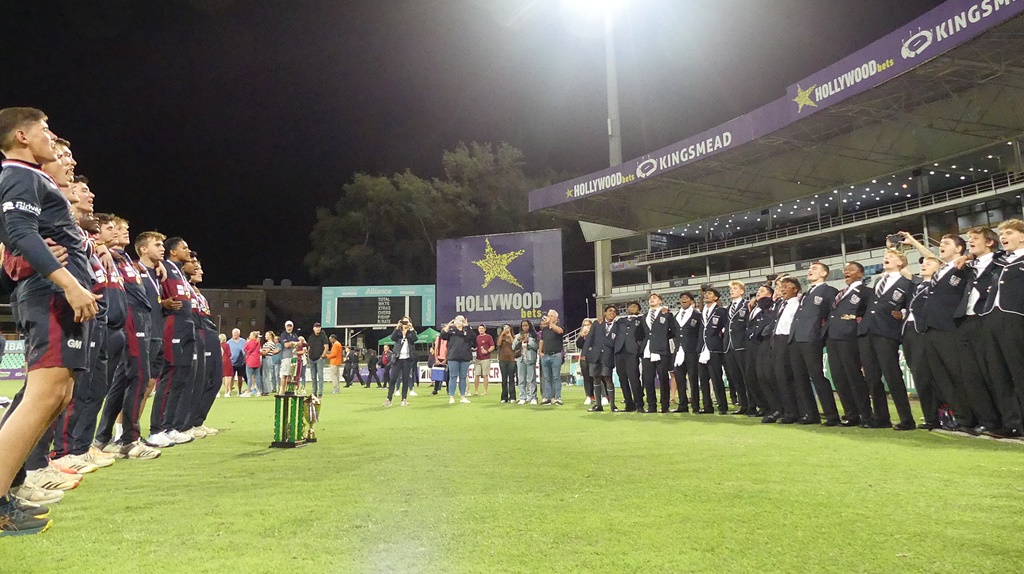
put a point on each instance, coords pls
(604, 401)
(50, 478)
(35, 495)
(533, 402)
(118, 431)
(464, 400)
(451, 400)
(405, 403)
(587, 402)
(242, 395)
(210, 431)
(113, 449)
(503, 401)
(195, 432)
(99, 460)
(140, 451)
(76, 464)
(520, 402)
(387, 403)
(160, 440)
(179, 437)
(412, 393)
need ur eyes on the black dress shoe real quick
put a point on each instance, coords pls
(1007, 433)
(707, 412)
(786, 421)
(904, 426)
(615, 409)
(753, 413)
(595, 409)
(928, 426)
(664, 411)
(682, 410)
(630, 409)
(762, 413)
(867, 425)
(831, 423)
(651, 412)
(806, 420)
(768, 419)
(882, 424)
(739, 411)
(850, 423)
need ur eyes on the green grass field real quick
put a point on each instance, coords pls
(495, 488)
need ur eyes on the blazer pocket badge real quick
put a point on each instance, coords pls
(714, 320)
(818, 299)
(897, 295)
(855, 299)
(954, 280)
(661, 320)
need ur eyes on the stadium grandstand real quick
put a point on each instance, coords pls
(918, 132)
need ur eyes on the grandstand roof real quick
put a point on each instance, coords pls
(948, 83)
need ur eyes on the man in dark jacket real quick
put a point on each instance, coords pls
(627, 357)
(715, 320)
(655, 330)
(807, 346)
(879, 333)
(736, 345)
(848, 308)
(599, 350)
(687, 330)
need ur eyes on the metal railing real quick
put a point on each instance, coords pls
(992, 184)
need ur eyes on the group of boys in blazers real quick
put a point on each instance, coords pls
(961, 326)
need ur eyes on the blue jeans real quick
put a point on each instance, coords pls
(457, 372)
(316, 373)
(551, 376)
(527, 384)
(268, 384)
(252, 374)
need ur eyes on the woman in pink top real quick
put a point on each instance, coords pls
(253, 360)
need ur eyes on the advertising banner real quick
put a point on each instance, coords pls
(495, 279)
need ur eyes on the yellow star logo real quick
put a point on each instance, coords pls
(568, 193)
(496, 266)
(803, 98)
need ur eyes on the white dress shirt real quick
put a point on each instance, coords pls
(785, 324)
(980, 265)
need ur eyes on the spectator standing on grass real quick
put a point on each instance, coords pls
(268, 351)
(507, 364)
(387, 359)
(588, 381)
(460, 352)
(289, 339)
(484, 346)
(353, 364)
(440, 354)
(551, 359)
(237, 345)
(335, 356)
(318, 348)
(253, 361)
(277, 359)
(371, 367)
(301, 352)
(227, 371)
(525, 348)
(404, 337)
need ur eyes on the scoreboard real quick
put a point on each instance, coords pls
(378, 306)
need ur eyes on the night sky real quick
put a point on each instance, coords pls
(230, 122)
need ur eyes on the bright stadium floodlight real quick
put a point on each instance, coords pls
(594, 7)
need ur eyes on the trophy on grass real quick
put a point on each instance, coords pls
(290, 416)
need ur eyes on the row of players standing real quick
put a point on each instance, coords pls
(962, 328)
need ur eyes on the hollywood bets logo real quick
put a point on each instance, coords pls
(495, 266)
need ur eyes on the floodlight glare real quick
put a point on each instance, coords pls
(594, 7)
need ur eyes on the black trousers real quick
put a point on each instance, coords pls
(924, 381)
(751, 379)
(627, 367)
(211, 384)
(1004, 355)
(880, 357)
(783, 369)
(811, 381)
(174, 381)
(371, 375)
(734, 362)
(844, 364)
(192, 393)
(76, 427)
(687, 374)
(117, 382)
(648, 370)
(765, 364)
(588, 381)
(975, 376)
(404, 374)
(710, 375)
(941, 355)
(508, 380)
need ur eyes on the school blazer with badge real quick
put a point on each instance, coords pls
(687, 337)
(811, 314)
(715, 329)
(878, 319)
(916, 308)
(599, 345)
(943, 299)
(658, 333)
(627, 335)
(757, 318)
(1009, 284)
(983, 283)
(771, 319)
(842, 321)
(735, 339)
